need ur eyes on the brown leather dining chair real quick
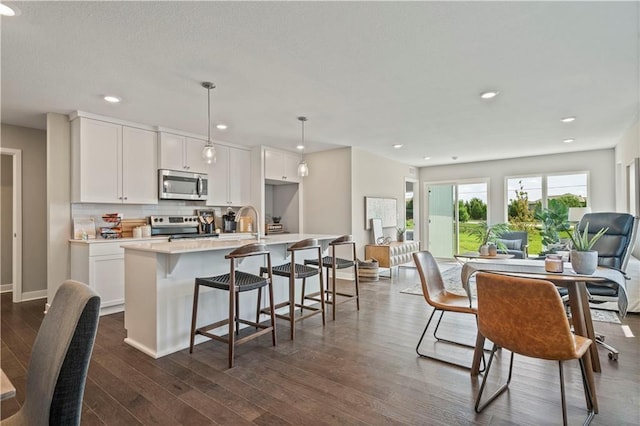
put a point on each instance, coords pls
(527, 316)
(437, 296)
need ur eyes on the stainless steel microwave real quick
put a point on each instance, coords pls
(176, 185)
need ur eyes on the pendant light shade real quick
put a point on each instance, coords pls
(209, 151)
(303, 169)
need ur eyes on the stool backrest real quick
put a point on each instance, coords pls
(304, 245)
(252, 249)
(343, 240)
(524, 315)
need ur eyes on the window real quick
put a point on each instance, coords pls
(538, 204)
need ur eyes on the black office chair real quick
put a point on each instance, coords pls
(614, 249)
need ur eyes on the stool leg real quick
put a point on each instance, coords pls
(322, 304)
(355, 266)
(333, 290)
(258, 306)
(232, 316)
(194, 313)
(237, 316)
(271, 309)
(292, 304)
(302, 294)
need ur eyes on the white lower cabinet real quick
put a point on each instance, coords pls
(100, 265)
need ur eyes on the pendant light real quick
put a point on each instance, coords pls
(209, 151)
(303, 169)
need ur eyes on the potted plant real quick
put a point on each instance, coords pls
(489, 235)
(584, 260)
(401, 230)
(554, 221)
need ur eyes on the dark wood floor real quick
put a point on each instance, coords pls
(360, 369)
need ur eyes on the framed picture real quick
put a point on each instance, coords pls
(384, 209)
(376, 229)
(84, 228)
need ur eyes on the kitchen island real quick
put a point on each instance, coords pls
(159, 284)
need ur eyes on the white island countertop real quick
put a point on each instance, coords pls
(196, 245)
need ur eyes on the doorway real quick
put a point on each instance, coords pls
(11, 221)
(411, 213)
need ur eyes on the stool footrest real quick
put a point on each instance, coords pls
(315, 310)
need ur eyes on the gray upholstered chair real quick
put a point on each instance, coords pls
(60, 357)
(614, 249)
(516, 243)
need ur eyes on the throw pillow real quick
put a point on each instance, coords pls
(510, 244)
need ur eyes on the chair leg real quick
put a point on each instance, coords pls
(258, 306)
(588, 393)
(194, 314)
(424, 332)
(302, 294)
(562, 394)
(479, 407)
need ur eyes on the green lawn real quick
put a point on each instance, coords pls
(470, 243)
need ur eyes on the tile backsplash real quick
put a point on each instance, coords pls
(139, 211)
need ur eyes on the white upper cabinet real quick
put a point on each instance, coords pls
(230, 177)
(182, 153)
(281, 166)
(113, 163)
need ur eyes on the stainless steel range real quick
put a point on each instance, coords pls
(172, 225)
(178, 227)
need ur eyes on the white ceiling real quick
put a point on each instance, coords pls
(367, 74)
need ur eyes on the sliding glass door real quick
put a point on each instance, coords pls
(441, 220)
(453, 210)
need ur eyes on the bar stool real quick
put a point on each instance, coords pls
(299, 271)
(334, 263)
(237, 282)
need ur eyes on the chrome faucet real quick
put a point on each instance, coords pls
(255, 211)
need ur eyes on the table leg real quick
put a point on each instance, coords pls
(478, 353)
(582, 326)
(581, 317)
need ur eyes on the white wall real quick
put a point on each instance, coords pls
(327, 193)
(58, 201)
(627, 149)
(375, 176)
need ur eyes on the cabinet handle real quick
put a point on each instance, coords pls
(125, 198)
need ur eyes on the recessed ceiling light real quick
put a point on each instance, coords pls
(568, 119)
(300, 147)
(397, 145)
(6, 10)
(426, 158)
(569, 140)
(490, 94)
(454, 158)
(112, 99)
(221, 127)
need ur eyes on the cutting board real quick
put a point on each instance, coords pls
(129, 224)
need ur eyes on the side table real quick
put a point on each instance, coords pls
(393, 254)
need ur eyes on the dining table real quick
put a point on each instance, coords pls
(574, 283)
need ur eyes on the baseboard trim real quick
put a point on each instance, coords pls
(34, 295)
(6, 288)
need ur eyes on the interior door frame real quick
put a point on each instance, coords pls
(416, 207)
(16, 155)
